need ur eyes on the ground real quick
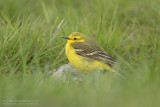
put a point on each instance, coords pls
(31, 46)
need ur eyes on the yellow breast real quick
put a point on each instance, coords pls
(81, 63)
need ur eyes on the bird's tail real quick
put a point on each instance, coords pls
(112, 70)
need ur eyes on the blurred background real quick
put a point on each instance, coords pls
(30, 48)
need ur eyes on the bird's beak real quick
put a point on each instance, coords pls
(66, 38)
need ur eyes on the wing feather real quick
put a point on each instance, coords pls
(93, 52)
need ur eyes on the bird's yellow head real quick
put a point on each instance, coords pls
(75, 37)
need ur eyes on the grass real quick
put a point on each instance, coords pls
(127, 29)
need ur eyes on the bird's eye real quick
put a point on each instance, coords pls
(75, 38)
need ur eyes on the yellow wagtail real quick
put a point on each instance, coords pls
(86, 55)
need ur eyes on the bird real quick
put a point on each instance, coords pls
(86, 55)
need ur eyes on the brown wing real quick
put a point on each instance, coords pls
(94, 52)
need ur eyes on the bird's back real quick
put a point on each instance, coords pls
(91, 49)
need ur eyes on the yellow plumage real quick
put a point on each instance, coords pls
(82, 63)
(86, 55)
